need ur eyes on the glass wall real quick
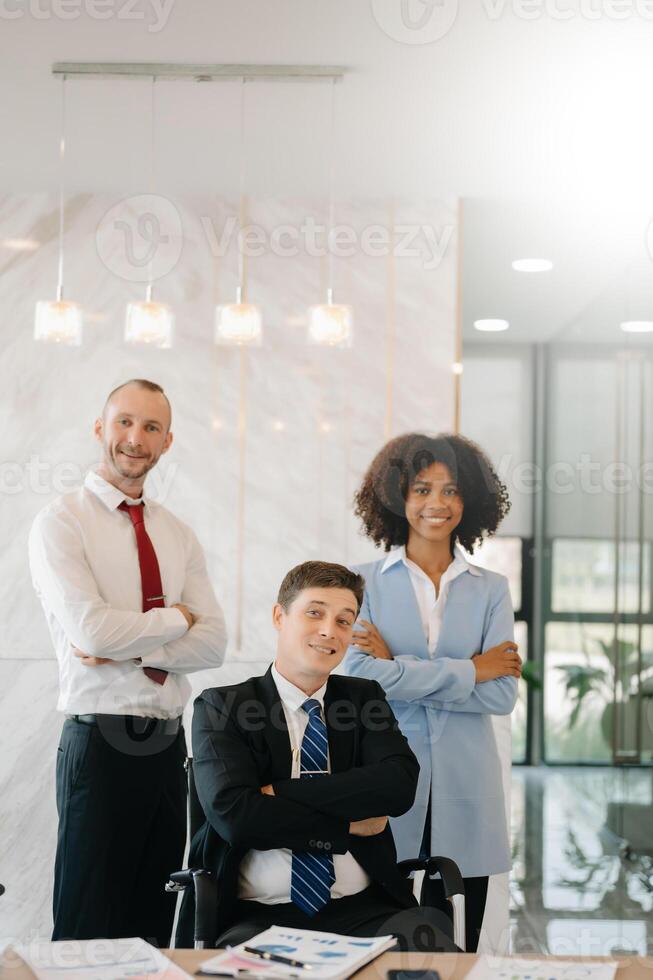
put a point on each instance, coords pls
(497, 412)
(562, 400)
(597, 632)
(505, 555)
(569, 433)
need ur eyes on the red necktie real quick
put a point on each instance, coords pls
(153, 597)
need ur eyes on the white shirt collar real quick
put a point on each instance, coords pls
(292, 696)
(110, 496)
(459, 564)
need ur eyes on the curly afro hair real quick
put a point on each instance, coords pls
(381, 499)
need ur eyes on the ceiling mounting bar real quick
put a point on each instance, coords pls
(198, 73)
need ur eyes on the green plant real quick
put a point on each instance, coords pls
(531, 673)
(583, 681)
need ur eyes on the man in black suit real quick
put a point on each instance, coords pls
(313, 852)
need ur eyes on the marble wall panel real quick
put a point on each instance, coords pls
(314, 419)
(330, 406)
(30, 729)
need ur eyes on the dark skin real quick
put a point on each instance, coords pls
(434, 508)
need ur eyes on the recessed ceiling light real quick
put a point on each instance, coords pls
(637, 326)
(491, 326)
(457, 367)
(20, 244)
(532, 265)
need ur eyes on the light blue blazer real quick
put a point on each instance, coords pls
(442, 712)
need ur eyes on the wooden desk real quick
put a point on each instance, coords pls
(450, 966)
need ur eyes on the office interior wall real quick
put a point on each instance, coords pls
(314, 417)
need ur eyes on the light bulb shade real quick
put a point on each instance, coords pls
(330, 325)
(238, 324)
(150, 324)
(58, 322)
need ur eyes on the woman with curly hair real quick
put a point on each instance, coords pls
(437, 633)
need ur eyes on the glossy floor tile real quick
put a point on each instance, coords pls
(582, 878)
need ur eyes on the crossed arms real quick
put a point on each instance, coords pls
(300, 812)
(447, 683)
(160, 638)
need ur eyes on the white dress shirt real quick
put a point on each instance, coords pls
(265, 875)
(431, 605)
(84, 564)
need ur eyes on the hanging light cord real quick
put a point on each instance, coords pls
(150, 269)
(62, 157)
(241, 195)
(331, 219)
(242, 386)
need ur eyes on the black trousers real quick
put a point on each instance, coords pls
(121, 799)
(369, 913)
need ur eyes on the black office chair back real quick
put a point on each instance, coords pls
(196, 816)
(206, 890)
(201, 880)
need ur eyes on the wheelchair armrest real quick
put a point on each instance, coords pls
(413, 864)
(206, 902)
(178, 881)
(454, 890)
(449, 871)
(206, 908)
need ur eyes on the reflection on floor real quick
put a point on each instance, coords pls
(577, 887)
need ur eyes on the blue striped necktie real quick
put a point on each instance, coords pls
(312, 874)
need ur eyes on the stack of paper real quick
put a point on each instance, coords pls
(99, 959)
(284, 953)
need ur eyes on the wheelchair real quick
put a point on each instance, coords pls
(205, 886)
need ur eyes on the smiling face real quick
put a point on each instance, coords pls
(134, 432)
(434, 506)
(314, 633)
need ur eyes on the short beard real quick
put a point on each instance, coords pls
(131, 475)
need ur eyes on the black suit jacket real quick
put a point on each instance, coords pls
(241, 742)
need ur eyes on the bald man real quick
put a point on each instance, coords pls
(131, 610)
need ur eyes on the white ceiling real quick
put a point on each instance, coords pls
(540, 123)
(602, 270)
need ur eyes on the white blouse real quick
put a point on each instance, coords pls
(431, 606)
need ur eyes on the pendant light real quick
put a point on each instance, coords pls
(239, 323)
(149, 323)
(330, 324)
(59, 321)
